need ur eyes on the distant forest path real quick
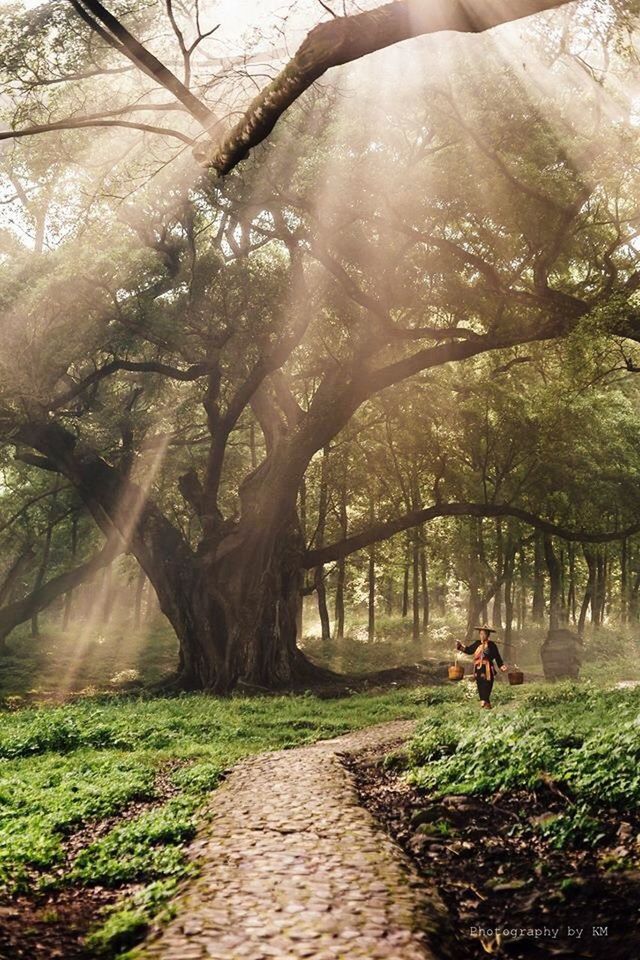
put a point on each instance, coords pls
(292, 866)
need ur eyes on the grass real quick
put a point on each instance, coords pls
(67, 766)
(581, 737)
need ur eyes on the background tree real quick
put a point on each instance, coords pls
(183, 359)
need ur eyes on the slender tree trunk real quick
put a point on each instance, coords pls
(321, 592)
(537, 606)
(608, 584)
(590, 593)
(371, 579)
(584, 606)
(509, 562)
(415, 565)
(522, 605)
(405, 592)
(68, 600)
(624, 581)
(341, 568)
(339, 601)
(323, 610)
(600, 589)
(571, 595)
(508, 620)
(35, 627)
(481, 564)
(424, 571)
(634, 605)
(556, 609)
(474, 603)
(500, 565)
(388, 593)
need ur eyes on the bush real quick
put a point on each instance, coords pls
(574, 734)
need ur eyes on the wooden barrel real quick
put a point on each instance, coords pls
(456, 672)
(515, 677)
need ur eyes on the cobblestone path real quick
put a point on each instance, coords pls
(292, 866)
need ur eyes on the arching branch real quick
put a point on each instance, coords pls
(80, 123)
(17, 612)
(388, 528)
(344, 39)
(132, 366)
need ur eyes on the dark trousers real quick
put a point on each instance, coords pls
(484, 687)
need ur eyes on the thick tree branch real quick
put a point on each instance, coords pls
(285, 398)
(112, 31)
(373, 381)
(467, 257)
(35, 460)
(344, 39)
(20, 565)
(143, 366)
(20, 610)
(388, 528)
(118, 505)
(222, 426)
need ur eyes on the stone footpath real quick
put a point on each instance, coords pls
(292, 866)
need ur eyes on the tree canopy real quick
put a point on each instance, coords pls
(418, 299)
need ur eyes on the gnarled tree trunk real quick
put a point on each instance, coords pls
(232, 603)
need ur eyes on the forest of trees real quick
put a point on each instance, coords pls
(388, 364)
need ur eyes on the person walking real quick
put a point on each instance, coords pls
(486, 657)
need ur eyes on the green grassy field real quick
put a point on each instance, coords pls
(63, 767)
(141, 768)
(150, 763)
(582, 736)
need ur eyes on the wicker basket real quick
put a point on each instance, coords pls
(456, 672)
(516, 677)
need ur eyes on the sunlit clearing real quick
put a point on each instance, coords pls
(128, 511)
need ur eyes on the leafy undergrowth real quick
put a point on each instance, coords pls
(577, 735)
(527, 818)
(99, 799)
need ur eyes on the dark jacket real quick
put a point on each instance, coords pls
(492, 652)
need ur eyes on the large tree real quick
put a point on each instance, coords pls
(208, 308)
